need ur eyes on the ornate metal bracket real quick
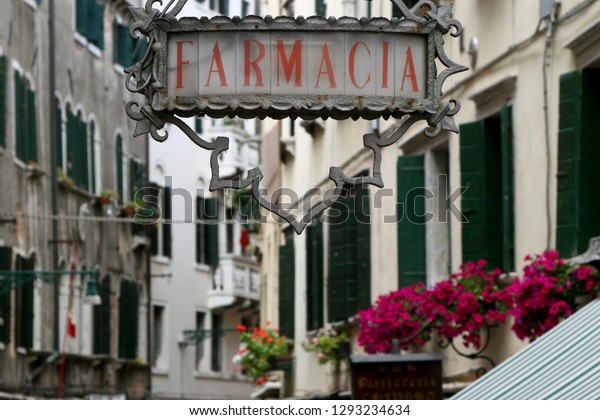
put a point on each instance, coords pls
(143, 79)
(476, 355)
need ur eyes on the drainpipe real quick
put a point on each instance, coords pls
(53, 164)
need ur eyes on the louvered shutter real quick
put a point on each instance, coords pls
(411, 226)
(211, 206)
(3, 96)
(363, 251)
(336, 257)
(287, 287)
(5, 294)
(168, 215)
(314, 272)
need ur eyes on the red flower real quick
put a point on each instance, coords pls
(241, 328)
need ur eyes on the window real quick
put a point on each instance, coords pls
(24, 305)
(102, 321)
(5, 301)
(207, 234)
(578, 193)
(396, 10)
(25, 120)
(229, 230)
(127, 50)
(286, 286)
(80, 151)
(89, 21)
(198, 125)
(160, 237)
(119, 167)
(224, 7)
(411, 223)
(314, 273)
(157, 332)
(349, 256)
(487, 203)
(3, 95)
(200, 319)
(128, 320)
(216, 342)
(245, 8)
(59, 135)
(137, 181)
(320, 8)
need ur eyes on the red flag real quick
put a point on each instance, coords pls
(244, 239)
(70, 325)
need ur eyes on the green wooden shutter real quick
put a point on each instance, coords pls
(82, 155)
(5, 303)
(350, 259)
(20, 117)
(95, 23)
(481, 174)
(59, 137)
(411, 223)
(168, 214)
(71, 143)
(116, 40)
(314, 272)
(3, 95)
(31, 127)
(578, 200)
(128, 320)
(211, 242)
(200, 227)
(119, 167)
(320, 8)
(154, 227)
(508, 223)
(101, 333)
(92, 157)
(286, 287)
(24, 304)
(363, 251)
(336, 257)
(81, 17)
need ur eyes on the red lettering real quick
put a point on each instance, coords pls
(351, 62)
(216, 60)
(294, 62)
(253, 63)
(384, 76)
(325, 59)
(180, 63)
(409, 72)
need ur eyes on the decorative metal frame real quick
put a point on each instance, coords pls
(147, 78)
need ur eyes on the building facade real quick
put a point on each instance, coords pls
(515, 181)
(205, 267)
(75, 285)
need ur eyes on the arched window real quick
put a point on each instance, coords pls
(25, 119)
(119, 166)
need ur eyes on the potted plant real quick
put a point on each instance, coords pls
(330, 347)
(549, 291)
(260, 350)
(129, 208)
(107, 196)
(63, 179)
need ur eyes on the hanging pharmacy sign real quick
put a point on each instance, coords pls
(255, 67)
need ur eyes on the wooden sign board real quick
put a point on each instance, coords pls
(397, 377)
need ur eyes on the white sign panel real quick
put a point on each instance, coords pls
(303, 63)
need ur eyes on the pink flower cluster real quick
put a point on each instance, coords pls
(547, 293)
(472, 299)
(468, 301)
(401, 314)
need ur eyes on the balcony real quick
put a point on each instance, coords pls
(243, 152)
(236, 283)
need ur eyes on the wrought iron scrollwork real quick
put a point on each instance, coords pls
(141, 78)
(477, 354)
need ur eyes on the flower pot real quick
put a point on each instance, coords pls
(281, 362)
(343, 350)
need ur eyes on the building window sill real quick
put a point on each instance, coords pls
(82, 40)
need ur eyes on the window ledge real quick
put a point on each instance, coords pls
(83, 41)
(203, 268)
(31, 3)
(161, 259)
(119, 69)
(160, 371)
(2, 346)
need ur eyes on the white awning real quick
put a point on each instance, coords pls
(562, 364)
